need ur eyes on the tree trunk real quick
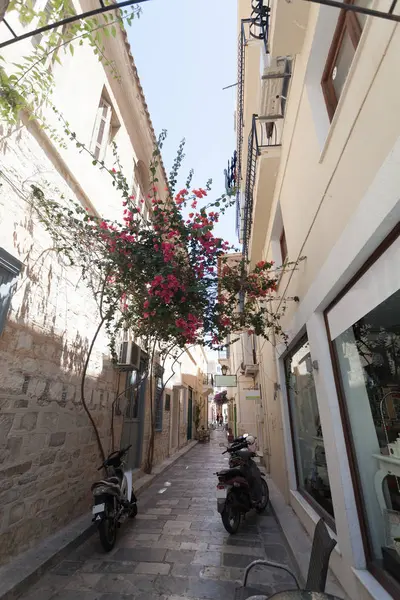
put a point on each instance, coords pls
(83, 399)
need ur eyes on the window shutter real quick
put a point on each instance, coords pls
(101, 129)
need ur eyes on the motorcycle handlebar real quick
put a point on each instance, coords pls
(119, 453)
(236, 447)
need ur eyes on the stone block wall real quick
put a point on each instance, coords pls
(48, 453)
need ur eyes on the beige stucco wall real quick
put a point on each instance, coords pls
(319, 188)
(326, 174)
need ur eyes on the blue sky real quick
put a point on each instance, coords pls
(185, 53)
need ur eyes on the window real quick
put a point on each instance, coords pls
(167, 402)
(134, 387)
(106, 127)
(101, 129)
(364, 326)
(311, 467)
(282, 242)
(10, 268)
(341, 54)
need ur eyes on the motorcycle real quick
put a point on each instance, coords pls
(234, 490)
(114, 498)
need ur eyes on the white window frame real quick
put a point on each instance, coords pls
(99, 147)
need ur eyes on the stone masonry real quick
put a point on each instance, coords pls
(176, 548)
(48, 454)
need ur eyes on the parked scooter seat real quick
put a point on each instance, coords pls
(235, 472)
(112, 482)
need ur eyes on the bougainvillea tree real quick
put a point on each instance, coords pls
(166, 277)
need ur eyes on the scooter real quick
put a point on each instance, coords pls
(233, 488)
(114, 498)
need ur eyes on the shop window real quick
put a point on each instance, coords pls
(344, 44)
(10, 269)
(311, 466)
(365, 331)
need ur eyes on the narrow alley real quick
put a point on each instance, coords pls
(176, 547)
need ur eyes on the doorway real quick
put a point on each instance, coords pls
(132, 430)
(175, 411)
(190, 414)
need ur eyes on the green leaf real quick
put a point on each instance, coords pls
(71, 49)
(113, 31)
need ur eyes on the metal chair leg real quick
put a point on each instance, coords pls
(268, 563)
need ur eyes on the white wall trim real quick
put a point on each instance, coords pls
(371, 585)
(287, 435)
(377, 214)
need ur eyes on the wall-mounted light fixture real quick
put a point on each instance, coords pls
(224, 369)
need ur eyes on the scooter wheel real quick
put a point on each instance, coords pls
(230, 517)
(133, 511)
(265, 497)
(108, 533)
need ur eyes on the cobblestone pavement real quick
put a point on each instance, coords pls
(176, 548)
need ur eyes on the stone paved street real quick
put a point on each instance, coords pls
(176, 548)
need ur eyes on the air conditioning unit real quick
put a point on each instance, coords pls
(129, 355)
(273, 86)
(251, 369)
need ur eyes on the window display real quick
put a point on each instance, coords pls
(369, 361)
(308, 442)
(364, 327)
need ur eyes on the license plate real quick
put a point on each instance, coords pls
(221, 493)
(98, 508)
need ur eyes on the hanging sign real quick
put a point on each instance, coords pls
(225, 381)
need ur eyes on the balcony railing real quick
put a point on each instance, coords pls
(231, 174)
(255, 27)
(266, 132)
(259, 18)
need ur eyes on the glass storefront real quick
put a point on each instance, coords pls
(308, 442)
(365, 332)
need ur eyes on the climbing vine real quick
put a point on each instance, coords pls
(166, 277)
